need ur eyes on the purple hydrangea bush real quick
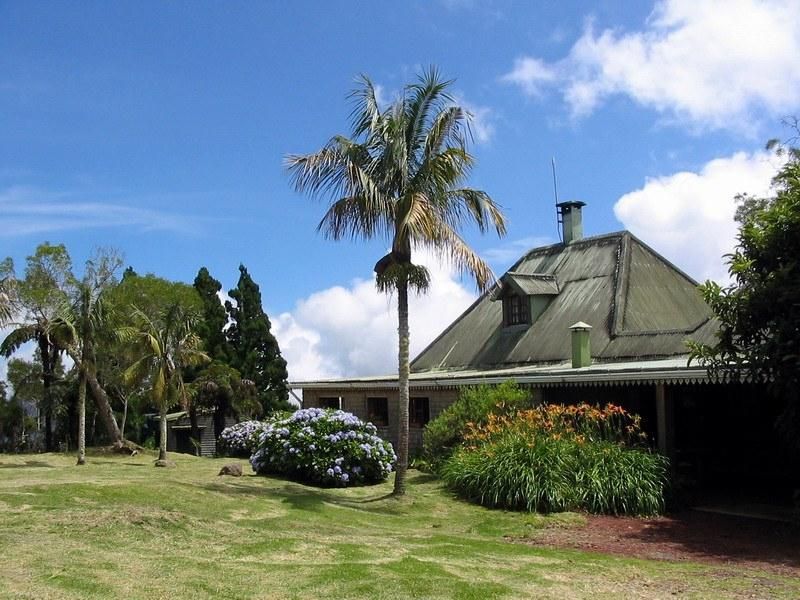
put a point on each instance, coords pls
(241, 439)
(323, 446)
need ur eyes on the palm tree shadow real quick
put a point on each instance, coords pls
(27, 464)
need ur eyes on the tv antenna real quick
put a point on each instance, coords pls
(559, 219)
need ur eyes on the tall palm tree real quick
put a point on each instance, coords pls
(168, 345)
(32, 306)
(400, 177)
(81, 324)
(6, 299)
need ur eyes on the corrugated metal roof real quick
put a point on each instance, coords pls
(537, 284)
(638, 304)
(671, 370)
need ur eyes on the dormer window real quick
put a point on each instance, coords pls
(516, 310)
(525, 296)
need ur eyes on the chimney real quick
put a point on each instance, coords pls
(581, 351)
(571, 219)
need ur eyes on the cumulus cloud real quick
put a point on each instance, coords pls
(688, 216)
(713, 64)
(351, 330)
(531, 74)
(481, 119)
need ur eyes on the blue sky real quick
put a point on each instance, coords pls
(161, 128)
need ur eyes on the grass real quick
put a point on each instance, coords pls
(120, 528)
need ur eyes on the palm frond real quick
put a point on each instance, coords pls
(427, 95)
(448, 244)
(484, 212)
(138, 371)
(366, 113)
(17, 337)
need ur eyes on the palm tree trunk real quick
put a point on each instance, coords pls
(124, 416)
(82, 418)
(102, 402)
(162, 442)
(194, 429)
(47, 390)
(403, 372)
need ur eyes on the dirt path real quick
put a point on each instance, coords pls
(690, 536)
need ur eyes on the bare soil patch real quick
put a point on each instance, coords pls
(694, 536)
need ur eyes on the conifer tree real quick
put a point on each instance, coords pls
(254, 350)
(211, 327)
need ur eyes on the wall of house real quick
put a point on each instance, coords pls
(208, 441)
(355, 401)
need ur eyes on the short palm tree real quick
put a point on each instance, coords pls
(400, 177)
(168, 345)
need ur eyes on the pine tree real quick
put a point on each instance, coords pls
(255, 351)
(211, 328)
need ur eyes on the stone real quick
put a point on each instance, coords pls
(233, 470)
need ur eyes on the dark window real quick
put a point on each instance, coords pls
(333, 402)
(516, 310)
(378, 411)
(419, 412)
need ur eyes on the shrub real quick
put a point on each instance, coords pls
(241, 439)
(446, 432)
(327, 447)
(555, 458)
(621, 481)
(584, 422)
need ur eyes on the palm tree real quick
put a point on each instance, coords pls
(169, 345)
(31, 307)
(399, 177)
(78, 332)
(6, 299)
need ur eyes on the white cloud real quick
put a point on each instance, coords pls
(713, 63)
(531, 74)
(688, 216)
(27, 210)
(481, 120)
(352, 331)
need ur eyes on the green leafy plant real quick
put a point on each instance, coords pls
(444, 434)
(326, 447)
(555, 458)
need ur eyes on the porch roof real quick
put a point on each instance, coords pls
(671, 370)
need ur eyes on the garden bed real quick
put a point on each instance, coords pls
(694, 536)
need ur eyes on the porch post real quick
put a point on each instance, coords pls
(664, 421)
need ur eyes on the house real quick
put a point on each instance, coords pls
(597, 319)
(179, 433)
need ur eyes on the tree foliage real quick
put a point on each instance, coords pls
(40, 298)
(211, 327)
(759, 314)
(168, 345)
(255, 353)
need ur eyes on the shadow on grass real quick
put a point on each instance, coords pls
(303, 496)
(27, 464)
(118, 463)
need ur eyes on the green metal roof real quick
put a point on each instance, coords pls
(639, 305)
(665, 370)
(536, 284)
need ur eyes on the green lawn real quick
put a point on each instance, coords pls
(120, 528)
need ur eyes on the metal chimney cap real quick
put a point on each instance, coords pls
(570, 204)
(580, 326)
